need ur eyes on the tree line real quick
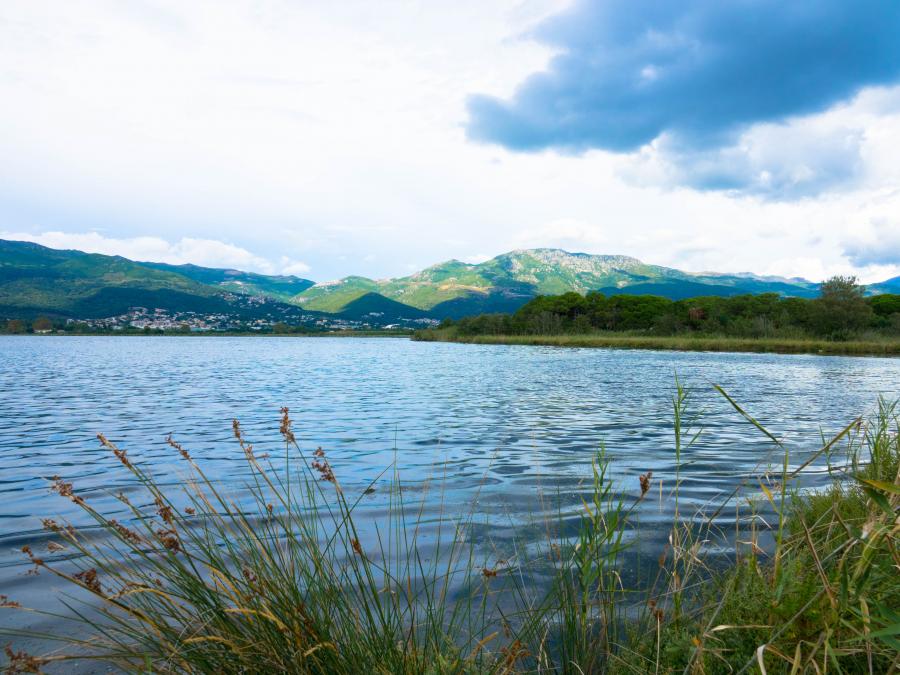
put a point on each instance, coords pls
(840, 312)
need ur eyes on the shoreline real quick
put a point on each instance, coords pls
(676, 343)
(869, 348)
(351, 334)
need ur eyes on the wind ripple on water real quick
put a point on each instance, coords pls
(511, 429)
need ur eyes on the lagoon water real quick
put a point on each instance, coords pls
(511, 430)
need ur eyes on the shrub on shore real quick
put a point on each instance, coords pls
(194, 583)
(840, 313)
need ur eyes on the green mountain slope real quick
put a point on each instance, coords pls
(374, 306)
(334, 296)
(34, 277)
(454, 288)
(36, 280)
(116, 300)
(281, 287)
(887, 286)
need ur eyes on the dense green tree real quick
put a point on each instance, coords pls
(841, 312)
(635, 312)
(885, 305)
(841, 308)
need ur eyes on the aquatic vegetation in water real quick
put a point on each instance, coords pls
(193, 583)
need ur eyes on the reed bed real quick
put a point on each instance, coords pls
(292, 582)
(699, 343)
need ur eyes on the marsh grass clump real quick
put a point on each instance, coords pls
(866, 345)
(284, 585)
(827, 598)
(290, 581)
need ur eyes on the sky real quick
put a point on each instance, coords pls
(325, 139)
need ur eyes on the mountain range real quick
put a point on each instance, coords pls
(38, 280)
(503, 283)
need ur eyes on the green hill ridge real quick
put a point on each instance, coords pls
(281, 287)
(376, 306)
(36, 279)
(455, 288)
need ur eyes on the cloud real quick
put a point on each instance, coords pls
(204, 252)
(775, 161)
(803, 267)
(876, 244)
(566, 233)
(127, 125)
(295, 267)
(693, 77)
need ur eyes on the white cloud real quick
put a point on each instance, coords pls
(875, 243)
(295, 267)
(848, 146)
(804, 267)
(204, 252)
(567, 233)
(800, 157)
(333, 138)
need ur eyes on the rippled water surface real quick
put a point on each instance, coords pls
(505, 425)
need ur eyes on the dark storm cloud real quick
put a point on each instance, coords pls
(701, 72)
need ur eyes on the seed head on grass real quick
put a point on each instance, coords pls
(164, 511)
(21, 662)
(513, 653)
(661, 561)
(169, 539)
(35, 561)
(249, 576)
(50, 525)
(181, 451)
(90, 580)
(121, 455)
(64, 489)
(321, 465)
(239, 435)
(126, 533)
(645, 482)
(285, 427)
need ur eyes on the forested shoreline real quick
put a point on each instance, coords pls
(842, 312)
